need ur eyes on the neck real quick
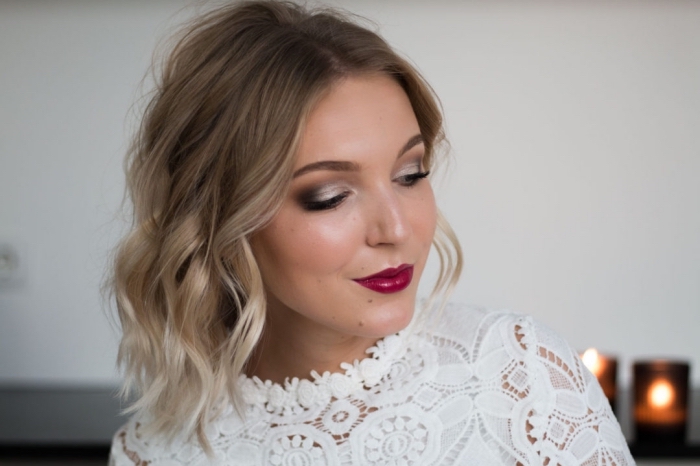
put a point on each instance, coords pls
(293, 347)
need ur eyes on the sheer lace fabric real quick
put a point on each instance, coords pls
(478, 388)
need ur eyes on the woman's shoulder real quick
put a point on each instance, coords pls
(487, 334)
(134, 444)
(121, 452)
(129, 445)
(475, 324)
(529, 374)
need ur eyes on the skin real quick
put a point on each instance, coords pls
(381, 217)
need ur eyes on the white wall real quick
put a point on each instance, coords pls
(574, 186)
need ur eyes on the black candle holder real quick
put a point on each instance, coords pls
(660, 402)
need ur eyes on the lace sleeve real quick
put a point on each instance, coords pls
(120, 454)
(570, 421)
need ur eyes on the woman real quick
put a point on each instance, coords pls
(283, 218)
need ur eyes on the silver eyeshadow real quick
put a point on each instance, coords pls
(331, 195)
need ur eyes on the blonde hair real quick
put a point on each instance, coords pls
(209, 166)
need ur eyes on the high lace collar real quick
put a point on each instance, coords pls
(296, 395)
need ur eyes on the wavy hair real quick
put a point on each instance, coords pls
(210, 165)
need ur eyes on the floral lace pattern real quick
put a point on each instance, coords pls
(480, 388)
(297, 395)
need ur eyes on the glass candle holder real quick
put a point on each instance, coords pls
(605, 370)
(661, 401)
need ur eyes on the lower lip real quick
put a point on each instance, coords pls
(398, 282)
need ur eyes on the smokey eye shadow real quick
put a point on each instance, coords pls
(308, 196)
(315, 195)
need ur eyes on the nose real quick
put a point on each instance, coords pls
(388, 222)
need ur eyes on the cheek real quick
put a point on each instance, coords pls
(424, 217)
(310, 248)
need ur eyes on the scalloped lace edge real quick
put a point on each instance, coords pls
(296, 395)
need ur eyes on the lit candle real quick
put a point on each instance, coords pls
(661, 400)
(605, 370)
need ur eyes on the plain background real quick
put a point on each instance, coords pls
(573, 184)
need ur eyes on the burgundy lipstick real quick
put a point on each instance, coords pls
(390, 280)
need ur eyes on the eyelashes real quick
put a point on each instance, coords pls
(328, 198)
(412, 178)
(314, 200)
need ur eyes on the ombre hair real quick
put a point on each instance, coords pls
(209, 166)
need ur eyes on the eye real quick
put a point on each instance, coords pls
(319, 200)
(411, 179)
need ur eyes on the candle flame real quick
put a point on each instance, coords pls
(661, 394)
(592, 360)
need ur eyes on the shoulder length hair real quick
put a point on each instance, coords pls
(209, 166)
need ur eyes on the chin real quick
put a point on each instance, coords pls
(388, 318)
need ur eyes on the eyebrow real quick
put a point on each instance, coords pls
(342, 166)
(413, 142)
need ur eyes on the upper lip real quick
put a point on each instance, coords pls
(386, 273)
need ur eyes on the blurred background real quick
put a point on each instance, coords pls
(573, 185)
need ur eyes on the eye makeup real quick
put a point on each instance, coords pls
(411, 173)
(322, 198)
(328, 197)
(411, 179)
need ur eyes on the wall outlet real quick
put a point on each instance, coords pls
(12, 265)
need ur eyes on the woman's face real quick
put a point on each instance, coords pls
(359, 205)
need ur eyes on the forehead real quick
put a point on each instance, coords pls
(359, 116)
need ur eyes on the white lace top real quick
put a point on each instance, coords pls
(482, 388)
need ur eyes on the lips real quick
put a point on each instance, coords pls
(391, 280)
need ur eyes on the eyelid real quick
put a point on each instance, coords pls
(321, 193)
(409, 169)
(325, 192)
